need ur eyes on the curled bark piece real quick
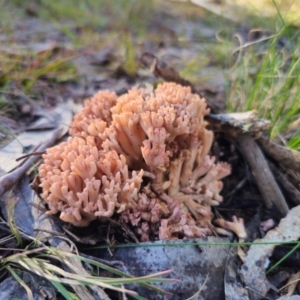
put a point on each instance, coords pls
(159, 68)
(240, 121)
(289, 159)
(264, 178)
(257, 258)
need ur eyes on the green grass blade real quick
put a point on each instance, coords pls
(12, 223)
(284, 258)
(21, 282)
(60, 288)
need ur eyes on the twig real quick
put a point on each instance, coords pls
(5, 240)
(111, 263)
(257, 293)
(292, 284)
(289, 159)
(125, 228)
(30, 154)
(292, 192)
(54, 233)
(38, 207)
(266, 183)
(8, 180)
(237, 187)
(201, 288)
(90, 239)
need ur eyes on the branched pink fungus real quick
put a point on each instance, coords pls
(141, 158)
(237, 226)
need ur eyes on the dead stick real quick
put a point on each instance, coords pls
(292, 192)
(289, 159)
(261, 171)
(8, 180)
(30, 154)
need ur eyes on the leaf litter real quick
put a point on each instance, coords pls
(97, 69)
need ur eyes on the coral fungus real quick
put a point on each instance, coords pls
(237, 226)
(140, 158)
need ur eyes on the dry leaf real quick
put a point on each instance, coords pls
(60, 117)
(257, 258)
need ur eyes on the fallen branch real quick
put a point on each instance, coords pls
(266, 183)
(8, 180)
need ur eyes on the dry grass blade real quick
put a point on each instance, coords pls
(44, 268)
(6, 240)
(142, 279)
(201, 288)
(292, 284)
(50, 272)
(62, 254)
